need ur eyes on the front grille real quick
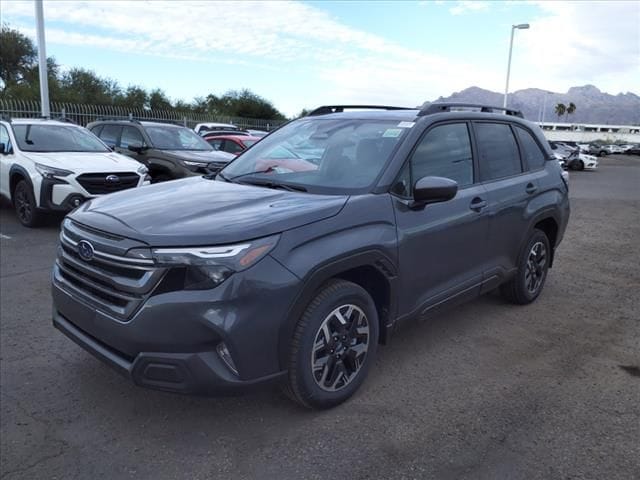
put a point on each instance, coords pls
(101, 183)
(111, 281)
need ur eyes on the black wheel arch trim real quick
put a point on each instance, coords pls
(19, 170)
(548, 213)
(313, 281)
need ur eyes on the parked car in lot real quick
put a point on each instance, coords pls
(633, 150)
(234, 144)
(564, 154)
(169, 151)
(202, 128)
(53, 166)
(584, 162)
(257, 133)
(287, 270)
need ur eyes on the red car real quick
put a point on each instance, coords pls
(231, 143)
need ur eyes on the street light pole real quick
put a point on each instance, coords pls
(522, 26)
(42, 61)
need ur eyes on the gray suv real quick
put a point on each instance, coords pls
(169, 151)
(300, 257)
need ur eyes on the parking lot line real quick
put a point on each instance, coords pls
(6, 237)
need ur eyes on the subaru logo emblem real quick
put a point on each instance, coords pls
(113, 179)
(85, 250)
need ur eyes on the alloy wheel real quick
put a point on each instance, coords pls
(536, 267)
(340, 348)
(24, 209)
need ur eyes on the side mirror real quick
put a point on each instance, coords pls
(434, 190)
(136, 147)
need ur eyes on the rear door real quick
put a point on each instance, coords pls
(442, 247)
(510, 186)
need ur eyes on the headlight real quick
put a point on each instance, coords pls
(50, 172)
(207, 267)
(142, 170)
(190, 163)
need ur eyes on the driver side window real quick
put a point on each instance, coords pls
(444, 151)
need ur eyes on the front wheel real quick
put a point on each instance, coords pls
(333, 346)
(24, 203)
(533, 266)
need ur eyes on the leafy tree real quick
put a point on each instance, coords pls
(19, 75)
(560, 109)
(134, 97)
(79, 85)
(303, 113)
(158, 100)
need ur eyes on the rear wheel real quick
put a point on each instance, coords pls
(24, 203)
(333, 346)
(533, 266)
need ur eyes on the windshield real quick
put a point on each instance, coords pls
(322, 154)
(57, 138)
(176, 138)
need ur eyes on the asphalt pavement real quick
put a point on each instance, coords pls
(487, 390)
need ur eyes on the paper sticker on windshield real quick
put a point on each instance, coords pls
(406, 124)
(392, 132)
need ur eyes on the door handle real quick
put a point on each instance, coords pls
(531, 188)
(477, 204)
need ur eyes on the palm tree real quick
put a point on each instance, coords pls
(570, 109)
(560, 110)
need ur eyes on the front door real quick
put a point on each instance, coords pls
(442, 247)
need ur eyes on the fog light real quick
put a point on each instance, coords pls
(223, 351)
(76, 202)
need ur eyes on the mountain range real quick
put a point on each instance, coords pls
(592, 105)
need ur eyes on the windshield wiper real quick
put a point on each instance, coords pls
(256, 172)
(271, 184)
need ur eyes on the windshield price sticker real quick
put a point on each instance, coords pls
(392, 132)
(406, 124)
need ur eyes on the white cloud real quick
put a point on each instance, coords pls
(574, 43)
(568, 44)
(471, 6)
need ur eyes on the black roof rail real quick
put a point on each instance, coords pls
(326, 109)
(439, 107)
(111, 119)
(6, 118)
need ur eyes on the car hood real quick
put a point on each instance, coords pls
(85, 161)
(198, 156)
(198, 211)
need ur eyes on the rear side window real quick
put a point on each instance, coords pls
(445, 151)
(96, 130)
(531, 152)
(110, 134)
(232, 147)
(498, 151)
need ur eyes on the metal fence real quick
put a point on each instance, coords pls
(82, 114)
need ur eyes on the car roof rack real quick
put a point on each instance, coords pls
(115, 119)
(439, 107)
(326, 109)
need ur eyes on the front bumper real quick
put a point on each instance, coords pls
(199, 373)
(170, 342)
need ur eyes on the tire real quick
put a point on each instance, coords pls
(533, 266)
(579, 165)
(24, 203)
(342, 351)
(602, 153)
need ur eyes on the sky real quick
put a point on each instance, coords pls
(304, 54)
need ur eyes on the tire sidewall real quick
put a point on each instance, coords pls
(24, 185)
(314, 395)
(536, 236)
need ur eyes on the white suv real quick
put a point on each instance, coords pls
(51, 165)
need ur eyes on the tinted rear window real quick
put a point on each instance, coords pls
(498, 151)
(531, 151)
